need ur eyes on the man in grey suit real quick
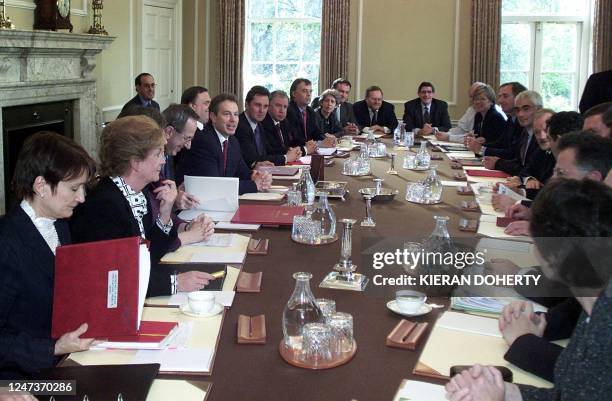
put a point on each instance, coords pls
(344, 110)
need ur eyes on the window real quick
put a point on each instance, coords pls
(283, 42)
(545, 46)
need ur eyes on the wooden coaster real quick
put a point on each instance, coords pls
(468, 225)
(466, 190)
(470, 206)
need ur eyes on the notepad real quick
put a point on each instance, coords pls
(469, 324)
(177, 360)
(218, 240)
(411, 390)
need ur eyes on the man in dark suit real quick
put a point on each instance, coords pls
(302, 117)
(426, 113)
(279, 134)
(344, 110)
(527, 103)
(374, 112)
(216, 152)
(250, 132)
(597, 90)
(594, 121)
(145, 92)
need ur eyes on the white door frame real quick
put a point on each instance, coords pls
(137, 33)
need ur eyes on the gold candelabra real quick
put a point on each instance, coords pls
(5, 22)
(97, 28)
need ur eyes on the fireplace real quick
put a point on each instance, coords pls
(19, 122)
(46, 83)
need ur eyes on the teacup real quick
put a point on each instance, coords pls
(201, 301)
(409, 301)
(345, 143)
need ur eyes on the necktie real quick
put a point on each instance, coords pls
(168, 169)
(225, 146)
(305, 121)
(524, 146)
(259, 141)
(374, 118)
(280, 134)
(426, 116)
(338, 114)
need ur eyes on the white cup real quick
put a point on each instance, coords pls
(201, 301)
(409, 301)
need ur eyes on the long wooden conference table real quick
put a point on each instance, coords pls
(257, 372)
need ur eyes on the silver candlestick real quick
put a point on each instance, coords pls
(368, 221)
(5, 22)
(392, 170)
(344, 277)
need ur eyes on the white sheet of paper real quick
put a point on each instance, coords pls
(225, 298)
(326, 151)
(420, 391)
(144, 272)
(262, 196)
(218, 194)
(225, 257)
(222, 225)
(177, 360)
(218, 240)
(469, 323)
(461, 155)
(306, 159)
(453, 183)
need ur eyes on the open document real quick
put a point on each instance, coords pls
(218, 197)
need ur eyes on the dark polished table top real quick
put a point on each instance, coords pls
(257, 372)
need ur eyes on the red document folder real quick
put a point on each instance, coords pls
(98, 283)
(487, 173)
(267, 214)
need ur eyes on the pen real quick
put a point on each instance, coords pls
(218, 274)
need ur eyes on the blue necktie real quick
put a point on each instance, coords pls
(259, 141)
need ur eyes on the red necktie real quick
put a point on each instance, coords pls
(225, 144)
(305, 120)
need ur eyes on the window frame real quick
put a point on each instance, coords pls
(248, 50)
(584, 33)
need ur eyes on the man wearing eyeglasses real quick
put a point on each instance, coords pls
(145, 92)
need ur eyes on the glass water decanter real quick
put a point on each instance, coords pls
(324, 213)
(423, 159)
(433, 186)
(307, 186)
(300, 310)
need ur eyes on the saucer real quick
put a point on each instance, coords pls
(215, 310)
(425, 309)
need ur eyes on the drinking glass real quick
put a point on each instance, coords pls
(342, 332)
(327, 306)
(317, 343)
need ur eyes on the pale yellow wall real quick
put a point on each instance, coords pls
(407, 42)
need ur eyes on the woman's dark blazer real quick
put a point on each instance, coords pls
(106, 214)
(27, 268)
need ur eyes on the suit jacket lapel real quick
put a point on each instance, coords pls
(32, 239)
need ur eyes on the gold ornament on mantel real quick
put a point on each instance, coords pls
(5, 22)
(97, 28)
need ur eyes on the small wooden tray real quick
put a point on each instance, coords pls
(436, 156)
(460, 177)
(406, 335)
(466, 190)
(468, 225)
(469, 206)
(456, 165)
(249, 282)
(251, 329)
(258, 246)
(292, 358)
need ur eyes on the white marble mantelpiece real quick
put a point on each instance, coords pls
(46, 66)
